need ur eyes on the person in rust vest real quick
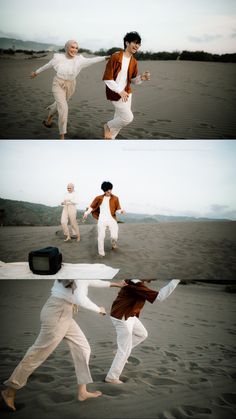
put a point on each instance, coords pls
(121, 70)
(104, 208)
(125, 313)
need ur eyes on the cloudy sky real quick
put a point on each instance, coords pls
(169, 25)
(181, 177)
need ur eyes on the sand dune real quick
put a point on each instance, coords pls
(193, 100)
(186, 250)
(184, 369)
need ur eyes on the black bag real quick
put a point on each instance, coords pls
(46, 261)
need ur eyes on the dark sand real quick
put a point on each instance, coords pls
(184, 370)
(192, 100)
(185, 250)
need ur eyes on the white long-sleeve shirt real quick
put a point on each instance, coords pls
(80, 294)
(72, 198)
(69, 68)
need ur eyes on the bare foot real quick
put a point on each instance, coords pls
(113, 381)
(114, 244)
(88, 395)
(67, 239)
(8, 399)
(107, 132)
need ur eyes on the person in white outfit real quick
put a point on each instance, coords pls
(125, 313)
(57, 323)
(69, 213)
(67, 67)
(104, 208)
(122, 70)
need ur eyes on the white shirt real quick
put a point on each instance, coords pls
(69, 68)
(80, 295)
(72, 197)
(105, 212)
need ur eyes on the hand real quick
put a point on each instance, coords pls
(102, 311)
(122, 284)
(33, 75)
(123, 212)
(119, 284)
(85, 216)
(146, 75)
(107, 57)
(124, 96)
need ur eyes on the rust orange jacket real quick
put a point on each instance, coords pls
(112, 69)
(131, 299)
(113, 202)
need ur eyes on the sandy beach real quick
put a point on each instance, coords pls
(186, 250)
(184, 369)
(183, 100)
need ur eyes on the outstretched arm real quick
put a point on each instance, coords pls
(167, 289)
(87, 212)
(86, 62)
(40, 69)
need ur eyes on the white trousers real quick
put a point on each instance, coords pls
(62, 91)
(69, 213)
(103, 224)
(122, 117)
(56, 324)
(129, 333)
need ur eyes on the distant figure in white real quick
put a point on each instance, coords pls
(69, 213)
(67, 67)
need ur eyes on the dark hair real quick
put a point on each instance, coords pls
(132, 37)
(106, 186)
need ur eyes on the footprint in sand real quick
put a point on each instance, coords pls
(229, 397)
(172, 356)
(61, 398)
(159, 381)
(192, 411)
(42, 378)
(134, 361)
(112, 390)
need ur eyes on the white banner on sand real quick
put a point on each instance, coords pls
(21, 270)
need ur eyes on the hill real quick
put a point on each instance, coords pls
(21, 213)
(16, 44)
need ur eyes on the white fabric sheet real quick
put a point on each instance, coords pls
(21, 270)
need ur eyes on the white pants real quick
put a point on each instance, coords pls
(103, 224)
(129, 333)
(56, 324)
(62, 91)
(122, 117)
(69, 213)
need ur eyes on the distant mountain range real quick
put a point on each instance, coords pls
(11, 43)
(21, 213)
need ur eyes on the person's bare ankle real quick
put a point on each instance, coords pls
(107, 132)
(82, 396)
(113, 381)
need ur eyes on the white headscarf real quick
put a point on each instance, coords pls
(69, 43)
(71, 185)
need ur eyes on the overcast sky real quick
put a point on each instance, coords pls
(169, 25)
(181, 177)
